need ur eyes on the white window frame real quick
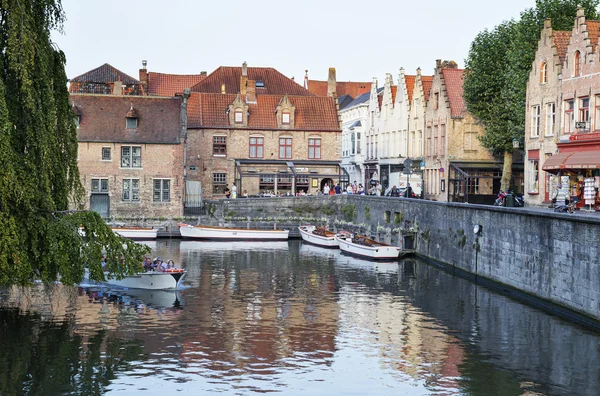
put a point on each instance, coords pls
(535, 120)
(131, 157)
(550, 118)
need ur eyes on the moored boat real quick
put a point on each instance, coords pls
(151, 280)
(364, 247)
(318, 236)
(147, 233)
(224, 233)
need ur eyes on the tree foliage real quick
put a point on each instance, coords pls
(39, 237)
(498, 66)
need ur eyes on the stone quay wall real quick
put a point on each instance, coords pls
(541, 256)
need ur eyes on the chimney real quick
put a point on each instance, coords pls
(306, 79)
(293, 79)
(251, 92)
(117, 88)
(331, 83)
(144, 73)
(203, 73)
(244, 79)
(223, 89)
(438, 64)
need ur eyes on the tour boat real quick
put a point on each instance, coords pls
(152, 280)
(364, 247)
(224, 233)
(318, 236)
(136, 232)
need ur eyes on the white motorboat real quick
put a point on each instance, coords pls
(136, 232)
(367, 248)
(224, 233)
(151, 280)
(318, 236)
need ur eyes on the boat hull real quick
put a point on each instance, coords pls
(147, 280)
(137, 233)
(306, 232)
(240, 234)
(379, 252)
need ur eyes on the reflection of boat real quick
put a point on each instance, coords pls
(308, 249)
(387, 266)
(136, 232)
(367, 248)
(232, 245)
(224, 233)
(150, 298)
(145, 280)
(318, 236)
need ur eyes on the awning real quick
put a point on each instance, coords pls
(556, 162)
(583, 160)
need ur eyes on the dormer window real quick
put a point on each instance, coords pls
(238, 117)
(131, 118)
(285, 117)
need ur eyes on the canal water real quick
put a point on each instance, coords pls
(292, 319)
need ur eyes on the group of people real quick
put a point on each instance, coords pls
(158, 264)
(352, 188)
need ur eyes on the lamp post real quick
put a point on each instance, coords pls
(516, 143)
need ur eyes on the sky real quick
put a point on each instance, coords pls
(361, 39)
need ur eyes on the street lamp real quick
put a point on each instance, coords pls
(516, 143)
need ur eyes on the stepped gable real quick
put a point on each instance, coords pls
(561, 42)
(164, 84)
(274, 83)
(453, 79)
(312, 113)
(105, 74)
(103, 118)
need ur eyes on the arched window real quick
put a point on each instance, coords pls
(544, 73)
(577, 69)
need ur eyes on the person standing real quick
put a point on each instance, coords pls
(408, 193)
(227, 192)
(378, 189)
(338, 189)
(354, 188)
(326, 189)
(233, 191)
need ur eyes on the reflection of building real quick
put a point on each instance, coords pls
(257, 128)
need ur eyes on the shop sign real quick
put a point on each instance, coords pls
(585, 136)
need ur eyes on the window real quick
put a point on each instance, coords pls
(99, 185)
(162, 190)
(473, 185)
(256, 147)
(219, 183)
(285, 117)
(238, 117)
(544, 73)
(550, 118)
(436, 100)
(353, 143)
(569, 117)
(357, 142)
(131, 157)
(314, 148)
(584, 109)
(131, 123)
(105, 153)
(576, 66)
(285, 148)
(131, 190)
(442, 139)
(260, 84)
(533, 184)
(535, 121)
(219, 145)
(597, 113)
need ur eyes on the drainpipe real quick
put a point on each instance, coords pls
(183, 135)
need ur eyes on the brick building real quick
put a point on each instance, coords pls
(258, 128)
(131, 154)
(457, 167)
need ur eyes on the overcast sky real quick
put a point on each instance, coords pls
(361, 39)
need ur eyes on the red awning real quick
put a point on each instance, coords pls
(556, 162)
(583, 160)
(533, 154)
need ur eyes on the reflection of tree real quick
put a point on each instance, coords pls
(45, 358)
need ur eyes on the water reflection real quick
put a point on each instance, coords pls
(294, 319)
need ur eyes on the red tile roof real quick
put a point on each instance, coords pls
(593, 28)
(561, 41)
(410, 86)
(453, 79)
(163, 84)
(105, 74)
(354, 89)
(275, 83)
(426, 81)
(394, 90)
(103, 118)
(209, 110)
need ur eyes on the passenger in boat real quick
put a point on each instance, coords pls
(148, 264)
(170, 264)
(103, 262)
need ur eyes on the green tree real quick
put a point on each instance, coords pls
(498, 66)
(40, 237)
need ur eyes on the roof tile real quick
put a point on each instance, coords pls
(453, 79)
(354, 89)
(163, 84)
(105, 74)
(561, 42)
